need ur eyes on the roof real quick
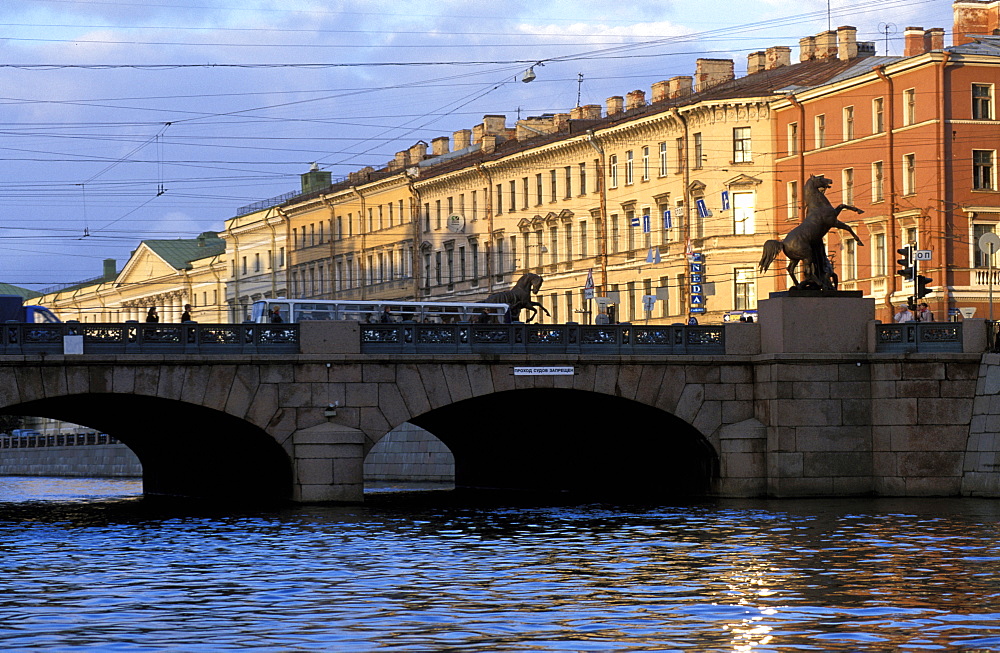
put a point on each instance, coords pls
(181, 252)
(9, 289)
(983, 45)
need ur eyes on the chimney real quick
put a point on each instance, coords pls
(826, 45)
(914, 41)
(936, 35)
(635, 99)
(974, 18)
(400, 160)
(661, 91)
(680, 86)
(847, 42)
(111, 269)
(591, 111)
(807, 48)
(755, 62)
(489, 143)
(712, 72)
(462, 139)
(616, 104)
(561, 121)
(576, 113)
(777, 57)
(439, 145)
(417, 152)
(495, 124)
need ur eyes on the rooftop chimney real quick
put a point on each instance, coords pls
(712, 72)
(915, 43)
(807, 48)
(489, 143)
(847, 42)
(495, 124)
(680, 86)
(826, 45)
(756, 62)
(936, 35)
(635, 99)
(417, 152)
(974, 18)
(439, 145)
(616, 104)
(661, 91)
(777, 57)
(591, 111)
(462, 139)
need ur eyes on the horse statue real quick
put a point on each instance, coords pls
(519, 297)
(805, 242)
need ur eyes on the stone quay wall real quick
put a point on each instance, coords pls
(93, 460)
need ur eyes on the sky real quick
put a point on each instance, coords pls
(127, 120)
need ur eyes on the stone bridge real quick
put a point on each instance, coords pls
(760, 417)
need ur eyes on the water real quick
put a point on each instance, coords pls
(88, 566)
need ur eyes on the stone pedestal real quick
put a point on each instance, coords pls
(329, 464)
(816, 322)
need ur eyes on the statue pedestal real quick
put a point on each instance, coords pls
(815, 321)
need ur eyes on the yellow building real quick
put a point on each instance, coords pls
(165, 274)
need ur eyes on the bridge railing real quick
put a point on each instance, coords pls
(147, 338)
(918, 336)
(541, 338)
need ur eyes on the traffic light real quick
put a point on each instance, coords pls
(922, 289)
(908, 270)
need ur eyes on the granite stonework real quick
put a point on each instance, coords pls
(840, 422)
(91, 461)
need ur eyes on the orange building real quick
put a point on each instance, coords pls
(912, 141)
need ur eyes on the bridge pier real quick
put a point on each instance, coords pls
(328, 463)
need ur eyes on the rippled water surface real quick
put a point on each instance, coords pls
(89, 566)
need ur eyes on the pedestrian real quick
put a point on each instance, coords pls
(602, 318)
(275, 316)
(483, 317)
(692, 321)
(186, 315)
(924, 313)
(152, 315)
(903, 314)
(386, 316)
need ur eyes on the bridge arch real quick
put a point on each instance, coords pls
(185, 449)
(553, 439)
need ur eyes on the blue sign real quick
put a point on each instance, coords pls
(695, 278)
(695, 288)
(697, 256)
(634, 221)
(668, 220)
(646, 226)
(725, 200)
(703, 211)
(696, 309)
(697, 300)
(696, 268)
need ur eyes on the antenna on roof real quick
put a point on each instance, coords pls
(579, 85)
(887, 28)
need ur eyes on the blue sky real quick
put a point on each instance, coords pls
(123, 120)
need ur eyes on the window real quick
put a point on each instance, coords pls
(513, 195)
(663, 159)
(848, 123)
(569, 242)
(474, 250)
(645, 163)
(699, 153)
(583, 239)
(878, 182)
(820, 130)
(437, 214)
(849, 266)
(743, 213)
(613, 171)
(554, 244)
(583, 178)
(568, 177)
(538, 189)
(909, 174)
(847, 185)
(524, 192)
(741, 145)
(982, 101)
(793, 138)
(629, 230)
(679, 148)
(499, 199)
(614, 233)
(980, 258)
(878, 255)
(629, 170)
(745, 295)
(793, 200)
(909, 106)
(878, 115)
(552, 185)
(244, 265)
(983, 169)
(475, 204)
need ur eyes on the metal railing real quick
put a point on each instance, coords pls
(36, 440)
(907, 337)
(541, 338)
(146, 338)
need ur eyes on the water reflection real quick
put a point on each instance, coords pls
(443, 573)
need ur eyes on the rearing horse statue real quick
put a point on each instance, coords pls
(805, 242)
(519, 297)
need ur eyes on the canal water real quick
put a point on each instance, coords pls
(90, 566)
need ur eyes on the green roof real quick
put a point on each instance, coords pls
(8, 289)
(179, 253)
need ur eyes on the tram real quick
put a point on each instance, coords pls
(300, 310)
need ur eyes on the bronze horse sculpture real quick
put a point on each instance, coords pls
(519, 297)
(805, 242)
